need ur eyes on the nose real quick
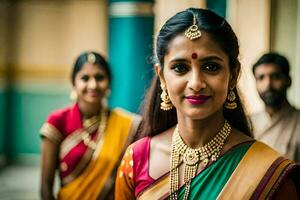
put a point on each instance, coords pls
(196, 81)
(267, 83)
(92, 84)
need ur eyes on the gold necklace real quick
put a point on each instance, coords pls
(86, 135)
(192, 158)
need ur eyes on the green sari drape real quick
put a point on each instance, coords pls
(209, 183)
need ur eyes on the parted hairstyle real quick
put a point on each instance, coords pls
(83, 58)
(156, 120)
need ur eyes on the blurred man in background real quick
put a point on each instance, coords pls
(279, 124)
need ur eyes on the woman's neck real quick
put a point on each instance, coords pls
(89, 110)
(197, 133)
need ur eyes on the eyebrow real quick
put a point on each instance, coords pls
(209, 58)
(179, 60)
(268, 74)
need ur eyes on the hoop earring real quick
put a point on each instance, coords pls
(105, 98)
(73, 95)
(166, 103)
(230, 101)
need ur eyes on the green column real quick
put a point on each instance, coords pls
(3, 121)
(218, 6)
(130, 51)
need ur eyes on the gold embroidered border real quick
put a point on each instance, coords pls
(72, 140)
(69, 143)
(51, 132)
(99, 141)
(242, 183)
(79, 167)
(158, 191)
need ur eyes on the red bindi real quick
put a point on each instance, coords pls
(194, 56)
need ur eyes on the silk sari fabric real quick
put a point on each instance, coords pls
(253, 166)
(87, 173)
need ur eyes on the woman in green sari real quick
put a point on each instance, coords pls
(199, 143)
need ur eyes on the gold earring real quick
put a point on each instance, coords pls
(230, 101)
(73, 95)
(166, 103)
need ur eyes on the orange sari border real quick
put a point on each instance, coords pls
(51, 132)
(132, 136)
(258, 159)
(158, 191)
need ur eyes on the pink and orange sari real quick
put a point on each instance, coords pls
(249, 170)
(86, 173)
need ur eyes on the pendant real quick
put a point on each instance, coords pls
(205, 162)
(191, 157)
(213, 157)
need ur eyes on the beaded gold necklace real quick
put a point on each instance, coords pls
(192, 158)
(86, 135)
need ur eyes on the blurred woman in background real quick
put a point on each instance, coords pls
(85, 141)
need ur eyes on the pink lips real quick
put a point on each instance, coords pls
(93, 93)
(197, 100)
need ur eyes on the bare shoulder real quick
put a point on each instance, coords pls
(162, 141)
(160, 152)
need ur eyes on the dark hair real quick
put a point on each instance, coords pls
(83, 58)
(274, 58)
(156, 120)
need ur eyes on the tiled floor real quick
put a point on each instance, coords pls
(19, 183)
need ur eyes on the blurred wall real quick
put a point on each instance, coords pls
(251, 22)
(164, 9)
(285, 38)
(4, 8)
(43, 40)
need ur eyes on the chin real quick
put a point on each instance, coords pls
(198, 114)
(201, 113)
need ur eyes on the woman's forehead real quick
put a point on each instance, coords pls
(90, 67)
(181, 46)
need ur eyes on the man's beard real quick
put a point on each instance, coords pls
(273, 98)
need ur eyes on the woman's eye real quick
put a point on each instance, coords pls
(85, 78)
(211, 67)
(179, 68)
(99, 77)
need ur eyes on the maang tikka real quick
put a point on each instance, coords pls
(91, 58)
(193, 31)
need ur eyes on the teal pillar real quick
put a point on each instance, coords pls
(218, 6)
(131, 25)
(3, 121)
